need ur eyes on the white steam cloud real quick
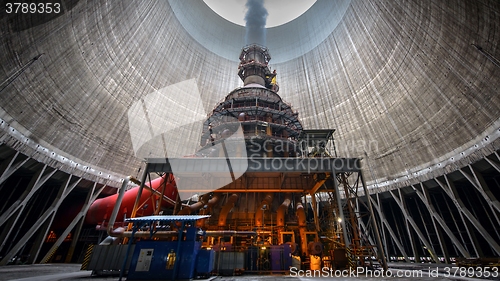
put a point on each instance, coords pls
(255, 19)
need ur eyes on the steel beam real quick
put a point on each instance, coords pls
(410, 220)
(346, 239)
(146, 172)
(413, 241)
(439, 233)
(363, 228)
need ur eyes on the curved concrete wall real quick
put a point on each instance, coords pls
(399, 80)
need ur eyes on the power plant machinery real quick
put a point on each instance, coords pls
(282, 197)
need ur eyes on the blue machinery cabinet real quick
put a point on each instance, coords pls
(281, 257)
(152, 260)
(273, 258)
(205, 262)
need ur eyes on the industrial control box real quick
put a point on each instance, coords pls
(156, 260)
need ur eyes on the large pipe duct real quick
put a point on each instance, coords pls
(120, 231)
(211, 203)
(301, 214)
(195, 207)
(205, 211)
(225, 210)
(264, 205)
(280, 216)
(301, 217)
(102, 208)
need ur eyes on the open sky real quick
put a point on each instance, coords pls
(280, 11)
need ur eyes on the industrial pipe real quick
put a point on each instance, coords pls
(230, 233)
(267, 201)
(301, 217)
(280, 216)
(215, 198)
(121, 232)
(195, 207)
(301, 214)
(101, 209)
(225, 210)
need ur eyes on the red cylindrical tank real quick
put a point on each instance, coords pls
(100, 211)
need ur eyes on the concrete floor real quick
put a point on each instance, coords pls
(71, 272)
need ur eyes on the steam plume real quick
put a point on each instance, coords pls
(255, 19)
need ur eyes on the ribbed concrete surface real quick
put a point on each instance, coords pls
(400, 80)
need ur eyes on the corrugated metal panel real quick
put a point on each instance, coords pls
(168, 218)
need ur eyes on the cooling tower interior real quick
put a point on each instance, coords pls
(410, 88)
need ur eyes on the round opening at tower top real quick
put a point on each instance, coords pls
(279, 11)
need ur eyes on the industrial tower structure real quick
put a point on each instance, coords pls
(411, 87)
(293, 196)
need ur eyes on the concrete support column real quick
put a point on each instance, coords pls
(424, 196)
(10, 165)
(451, 191)
(91, 197)
(477, 180)
(78, 229)
(493, 163)
(384, 221)
(6, 220)
(424, 224)
(380, 248)
(36, 182)
(409, 219)
(384, 236)
(41, 226)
